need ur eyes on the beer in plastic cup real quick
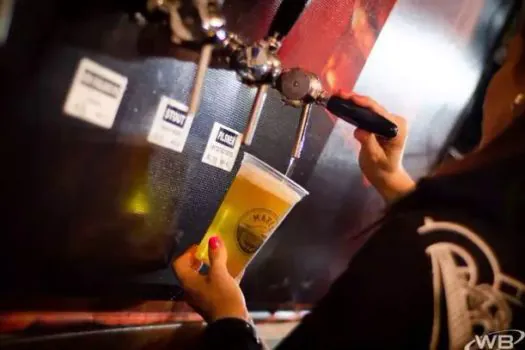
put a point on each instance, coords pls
(258, 200)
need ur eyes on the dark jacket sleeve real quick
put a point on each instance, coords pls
(231, 334)
(382, 301)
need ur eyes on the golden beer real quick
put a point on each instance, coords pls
(257, 202)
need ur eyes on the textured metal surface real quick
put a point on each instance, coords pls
(72, 213)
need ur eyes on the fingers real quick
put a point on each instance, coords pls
(369, 144)
(187, 266)
(369, 103)
(402, 132)
(362, 136)
(344, 93)
(217, 254)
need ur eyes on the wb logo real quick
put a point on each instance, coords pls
(501, 340)
(226, 138)
(174, 116)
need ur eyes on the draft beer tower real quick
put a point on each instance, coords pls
(258, 65)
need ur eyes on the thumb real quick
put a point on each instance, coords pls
(217, 254)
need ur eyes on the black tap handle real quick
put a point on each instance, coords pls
(361, 117)
(288, 13)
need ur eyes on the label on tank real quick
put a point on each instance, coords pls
(95, 94)
(171, 125)
(222, 147)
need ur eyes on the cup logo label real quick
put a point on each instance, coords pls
(253, 228)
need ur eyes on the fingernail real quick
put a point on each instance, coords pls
(214, 242)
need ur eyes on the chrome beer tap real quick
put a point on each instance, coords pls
(301, 88)
(258, 64)
(195, 21)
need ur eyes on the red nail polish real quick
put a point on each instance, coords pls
(214, 242)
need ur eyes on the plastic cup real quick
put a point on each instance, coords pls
(258, 201)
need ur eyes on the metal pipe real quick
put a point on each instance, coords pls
(202, 67)
(300, 137)
(301, 130)
(291, 167)
(255, 114)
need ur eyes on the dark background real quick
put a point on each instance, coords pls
(68, 227)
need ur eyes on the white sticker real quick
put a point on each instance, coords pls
(171, 125)
(95, 94)
(222, 147)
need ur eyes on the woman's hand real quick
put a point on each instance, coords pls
(380, 159)
(216, 295)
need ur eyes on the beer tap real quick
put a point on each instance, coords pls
(301, 88)
(195, 21)
(258, 65)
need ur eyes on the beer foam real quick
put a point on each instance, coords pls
(278, 187)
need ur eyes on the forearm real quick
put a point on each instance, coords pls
(395, 186)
